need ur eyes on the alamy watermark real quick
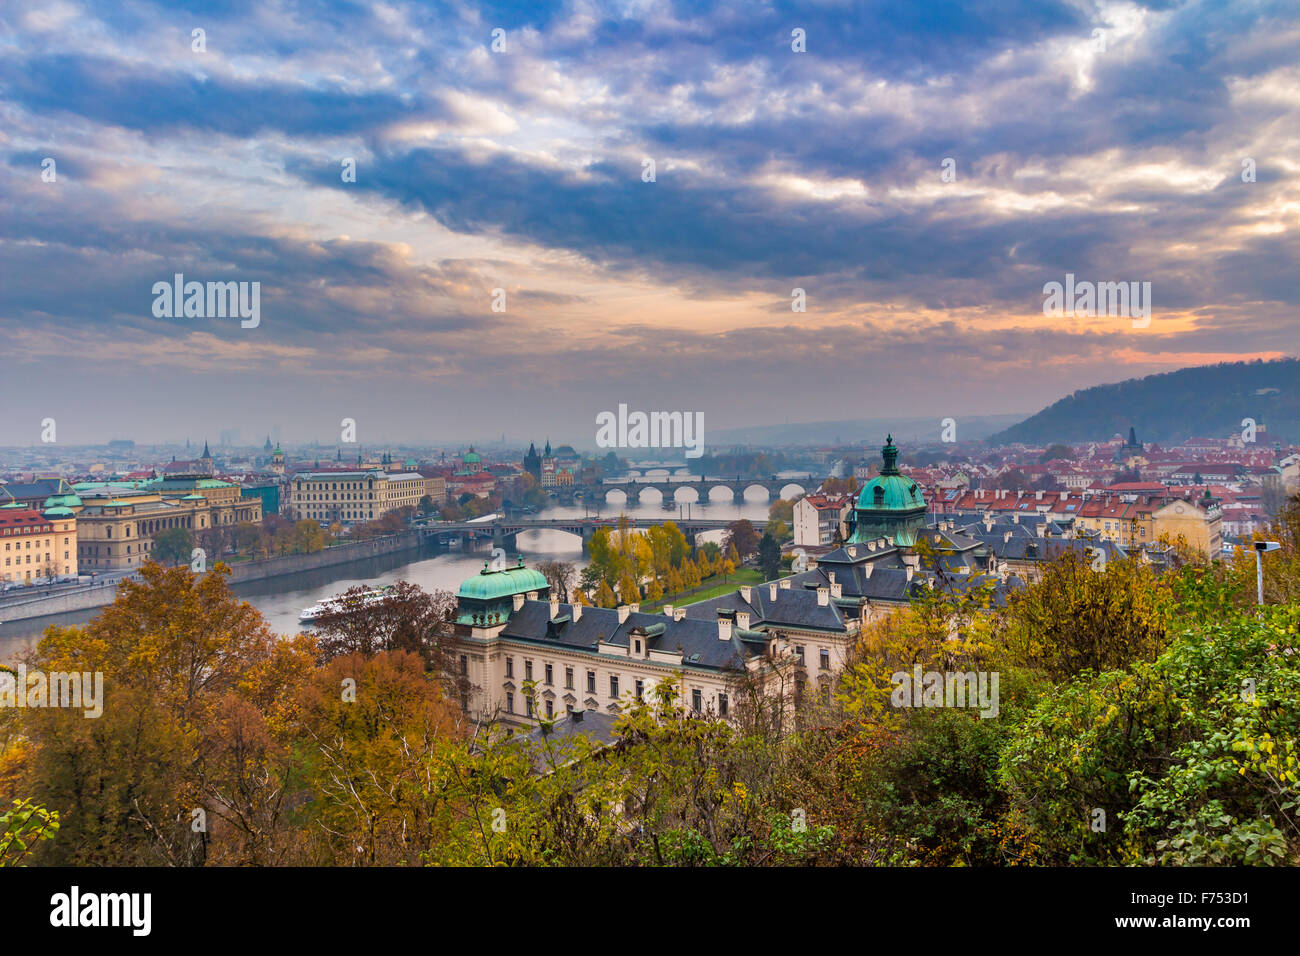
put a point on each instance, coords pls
(1127, 300)
(20, 687)
(973, 689)
(651, 430)
(213, 300)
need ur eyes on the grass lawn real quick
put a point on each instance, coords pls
(711, 587)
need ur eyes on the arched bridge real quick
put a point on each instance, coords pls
(705, 484)
(504, 531)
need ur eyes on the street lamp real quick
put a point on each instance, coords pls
(1262, 548)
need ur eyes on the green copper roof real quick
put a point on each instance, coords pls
(493, 585)
(472, 455)
(59, 512)
(890, 490)
(62, 501)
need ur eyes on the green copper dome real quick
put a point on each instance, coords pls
(890, 505)
(493, 585)
(890, 490)
(472, 456)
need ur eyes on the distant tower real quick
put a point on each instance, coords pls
(205, 461)
(277, 461)
(533, 462)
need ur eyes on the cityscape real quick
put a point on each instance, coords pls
(650, 436)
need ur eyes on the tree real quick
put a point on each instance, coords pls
(408, 618)
(177, 652)
(371, 751)
(560, 575)
(1077, 619)
(172, 546)
(741, 536)
(23, 825)
(1056, 452)
(769, 556)
(1013, 480)
(605, 596)
(782, 510)
(628, 591)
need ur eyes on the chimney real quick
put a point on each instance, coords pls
(555, 607)
(532, 595)
(724, 628)
(577, 612)
(771, 592)
(785, 584)
(679, 614)
(867, 569)
(823, 596)
(1038, 495)
(668, 610)
(871, 545)
(518, 601)
(830, 575)
(837, 590)
(623, 611)
(1015, 518)
(746, 593)
(909, 572)
(742, 620)
(1006, 536)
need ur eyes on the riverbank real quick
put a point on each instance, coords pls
(102, 593)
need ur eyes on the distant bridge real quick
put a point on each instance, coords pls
(505, 531)
(668, 487)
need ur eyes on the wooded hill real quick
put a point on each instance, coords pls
(1209, 400)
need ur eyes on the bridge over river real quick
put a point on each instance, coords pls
(703, 485)
(503, 531)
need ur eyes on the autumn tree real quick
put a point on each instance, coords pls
(375, 724)
(741, 536)
(176, 651)
(407, 618)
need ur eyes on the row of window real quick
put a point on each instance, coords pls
(29, 544)
(638, 688)
(32, 529)
(19, 560)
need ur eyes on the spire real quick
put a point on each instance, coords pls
(206, 453)
(890, 453)
(547, 453)
(1132, 437)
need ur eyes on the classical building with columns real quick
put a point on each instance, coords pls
(117, 521)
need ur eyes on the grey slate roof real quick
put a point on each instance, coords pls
(697, 639)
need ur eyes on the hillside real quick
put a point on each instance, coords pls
(1208, 400)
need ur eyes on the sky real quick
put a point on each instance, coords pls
(919, 170)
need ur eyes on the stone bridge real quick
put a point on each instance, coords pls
(703, 485)
(504, 531)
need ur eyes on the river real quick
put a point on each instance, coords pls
(281, 598)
